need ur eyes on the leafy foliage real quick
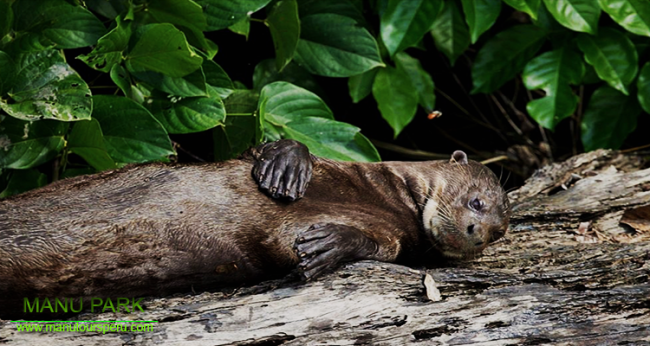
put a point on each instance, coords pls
(157, 58)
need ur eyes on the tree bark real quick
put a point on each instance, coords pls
(574, 269)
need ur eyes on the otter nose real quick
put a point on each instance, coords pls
(474, 232)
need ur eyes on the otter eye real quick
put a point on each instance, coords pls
(476, 204)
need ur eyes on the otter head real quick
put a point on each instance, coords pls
(467, 208)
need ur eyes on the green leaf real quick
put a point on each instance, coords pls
(28, 144)
(335, 46)
(480, 15)
(396, 97)
(6, 18)
(332, 139)
(7, 72)
(553, 72)
(242, 27)
(266, 72)
(188, 115)
(162, 48)
(186, 13)
(222, 14)
(285, 30)
(529, 7)
(360, 85)
(131, 133)
(577, 15)
(450, 32)
(420, 79)
(87, 141)
(67, 25)
(217, 79)
(504, 55)
(121, 78)
(107, 8)
(612, 55)
(609, 118)
(341, 7)
(285, 102)
(643, 85)
(46, 87)
(23, 181)
(191, 85)
(404, 23)
(633, 15)
(296, 113)
(109, 48)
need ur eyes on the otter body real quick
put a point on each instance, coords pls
(159, 228)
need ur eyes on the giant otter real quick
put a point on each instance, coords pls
(156, 228)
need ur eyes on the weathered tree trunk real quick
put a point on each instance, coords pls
(574, 269)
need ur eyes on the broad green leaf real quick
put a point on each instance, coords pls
(420, 79)
(242, 27)
(285, 102)
(609, 118)
(87, 141)
(577, 15)
(241, 103)
(450, 32)
(360, 85)
(188, 86)
(480, 15)
(26, 144)
(342, 7)
(292, 112)
(46, 87)
(186, 13)
(643, 85)
(109, 48)
(612, 55)
(404, 23)
(504, 55)
(221, 14)
(529, 7)
(7, 72)
(216, 78)
(285, 30)
(131, 133)
(633, 15)
(396, 97)
(335, 46)
(23, 181)
(266, 72)
(162, 48)
(121, 78)
(553, 72)
(6, 18)
(188, 115)
(107, 8)
(332, 139)
(67, 25)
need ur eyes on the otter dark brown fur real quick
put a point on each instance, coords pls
(157, 228)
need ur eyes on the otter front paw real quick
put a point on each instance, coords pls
(283, 168)
(323, 246)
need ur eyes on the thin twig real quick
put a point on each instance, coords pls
(178, 146)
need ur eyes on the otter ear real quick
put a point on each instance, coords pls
(459, 156)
